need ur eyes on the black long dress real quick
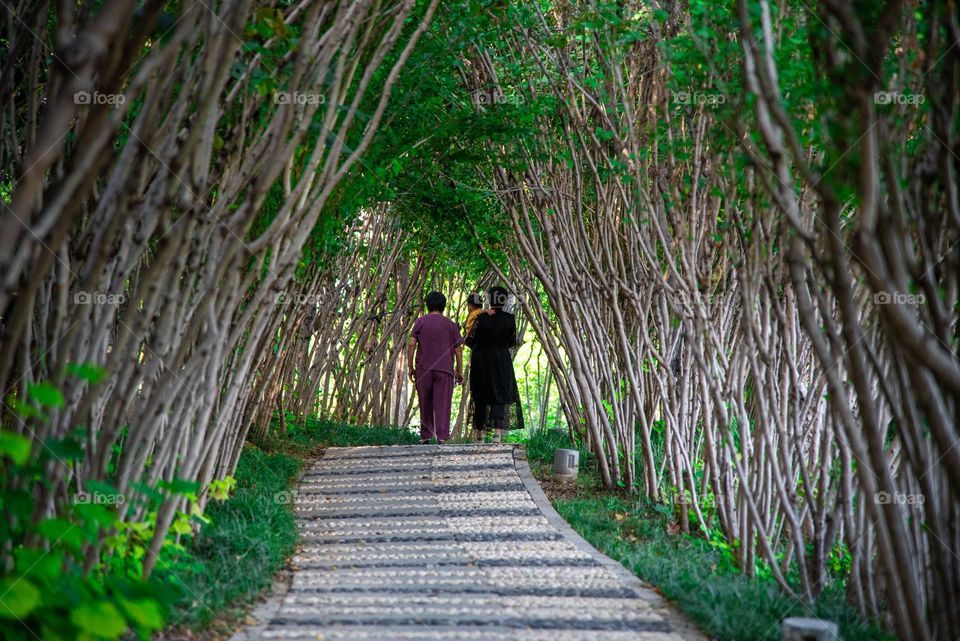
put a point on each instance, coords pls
(493, 385)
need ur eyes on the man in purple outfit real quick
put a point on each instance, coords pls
(436, 342)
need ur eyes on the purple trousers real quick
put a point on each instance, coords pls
(435, 393)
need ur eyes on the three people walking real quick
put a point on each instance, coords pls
(435, 354)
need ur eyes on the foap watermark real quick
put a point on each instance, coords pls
(897, 98)
(682, 299)
(501, 297)
(898, 298)
(98, 298)
(98, 98)
(287, 497)
(98, 498)
(297, 98)
(287, 298)
(698, 98)
(482, 97)
(898, 498)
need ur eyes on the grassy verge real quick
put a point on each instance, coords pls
(698, 578)
(235, 557)
(315, 433)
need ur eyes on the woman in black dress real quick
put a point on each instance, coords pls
(493, 386)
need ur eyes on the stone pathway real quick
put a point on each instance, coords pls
(456, 543)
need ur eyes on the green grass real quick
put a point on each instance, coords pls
(541, 446)
(699, 579)
(236, 556)
(304, 438)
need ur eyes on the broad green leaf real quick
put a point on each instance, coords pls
(144, 613)
(90, 373)
(179, 486)
(15, 447)
(101, 620)
(17, 503)
(63, 449)
(220, 489)
(181, 526)
(49, 634)
(43, 565)
(45, 394)
(61, 531)
(92, 512)
(18, 598)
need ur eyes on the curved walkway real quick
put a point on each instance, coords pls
(455, 543)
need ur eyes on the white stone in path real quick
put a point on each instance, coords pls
(428, 543)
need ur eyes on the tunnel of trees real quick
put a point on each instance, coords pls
(732, 231)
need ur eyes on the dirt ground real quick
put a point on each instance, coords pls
(555, 490)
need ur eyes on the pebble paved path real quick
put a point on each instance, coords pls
(455, 543)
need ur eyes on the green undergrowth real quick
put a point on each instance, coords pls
(305, 437)
(700, 579)
(235, 557)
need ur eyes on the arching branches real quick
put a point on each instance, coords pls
(160, 204)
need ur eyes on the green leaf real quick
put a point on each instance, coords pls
(45, 394)
(144, 613)
(18, 597)
(62, 531)
(101, 619)
(17, 504)
(63, 449)
(15, 447)
(89, 373)
(179, 486)
(181, 526)
(43, 565)
(94, 513)
(220, 489)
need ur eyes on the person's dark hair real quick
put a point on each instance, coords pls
(436, 302)
(476, 300)
(498, 296)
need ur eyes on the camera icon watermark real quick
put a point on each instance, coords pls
(98, 98)
(98, 298)
(297, 98)
(286, 298)
(681, 299)
(898, 298)
(698, 98)
(898, 498)
(287, 497)
(484, 97)
(897, 98)
(98, 498)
